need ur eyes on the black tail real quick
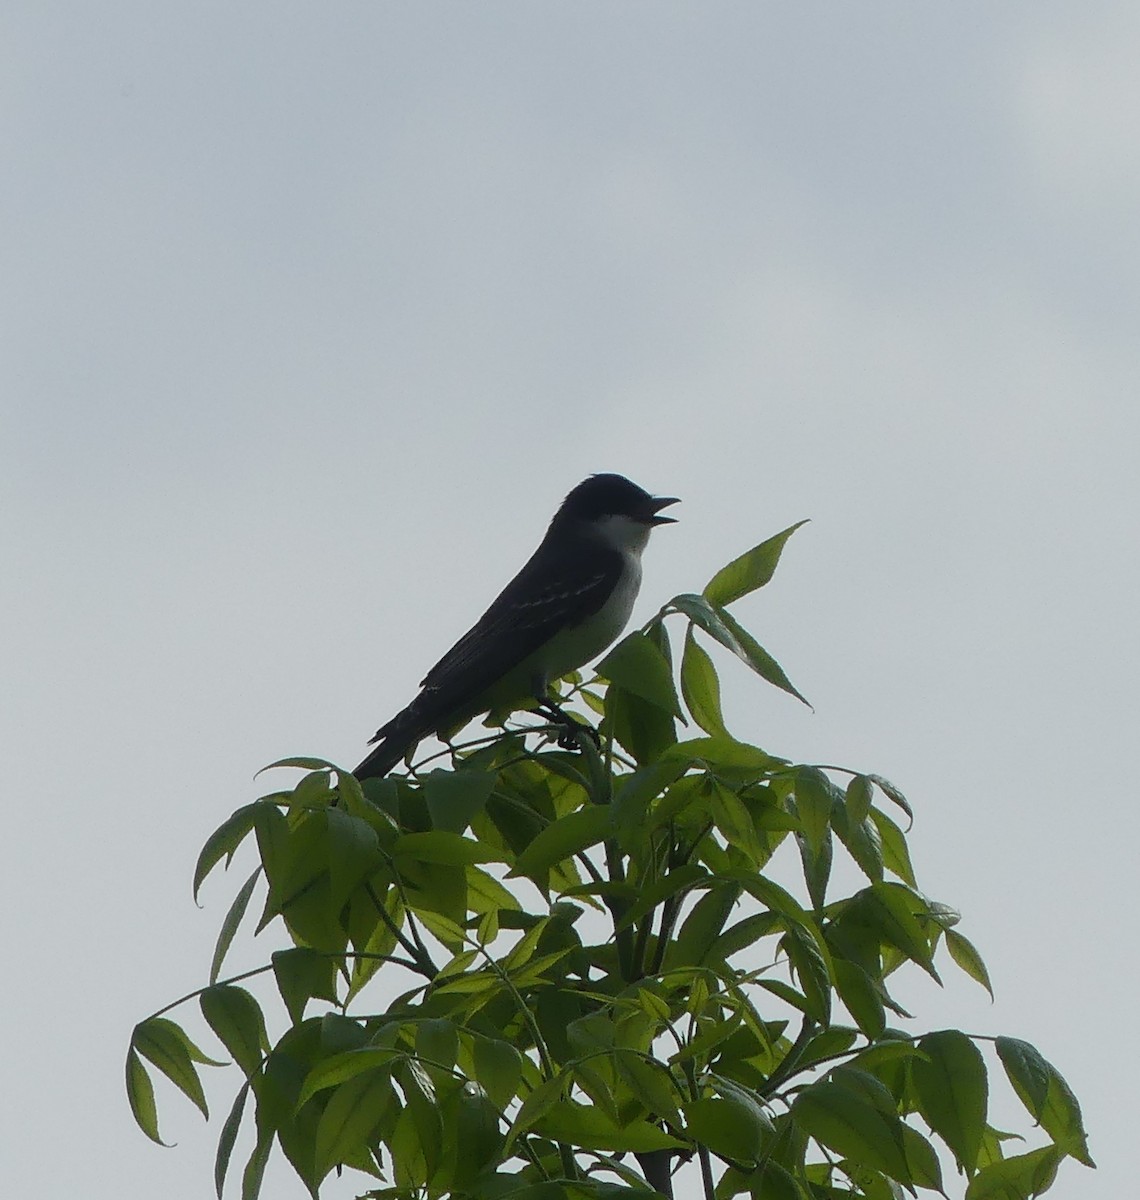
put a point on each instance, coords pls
(393, 741)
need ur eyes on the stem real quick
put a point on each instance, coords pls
(670, 910)
(790, 1062)
(550, 1070)
(707, 1182)
(423, 960)
(198, 991)
(640, 947)
(706, 1172)
(655, 1166)
(618, 907)
(407, 964)
(601, 792)
(591, 870)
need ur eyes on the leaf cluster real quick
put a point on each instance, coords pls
(537, 972)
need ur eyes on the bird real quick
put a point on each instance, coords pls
(567, 604)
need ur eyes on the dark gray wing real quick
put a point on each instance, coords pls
(554, 591)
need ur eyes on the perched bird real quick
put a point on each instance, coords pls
(567, 604)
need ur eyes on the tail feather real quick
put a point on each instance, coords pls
(377, 764)
(393, 741)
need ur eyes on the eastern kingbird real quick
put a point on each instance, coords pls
(567, 604)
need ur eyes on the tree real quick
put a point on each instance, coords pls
(606, 980)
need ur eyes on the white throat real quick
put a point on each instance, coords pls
(623, 533)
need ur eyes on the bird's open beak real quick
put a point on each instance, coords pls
(654, 516)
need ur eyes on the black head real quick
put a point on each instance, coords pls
(615, 496)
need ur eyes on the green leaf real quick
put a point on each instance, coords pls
(773, 1182)
(354, 854)
(353, 1111)
(853, 1114)
(993, 1141)
(724, 752)
(813, 970)
(525, 948)
(750, 571)
(486, 894)
(379, 940)
(498, 1067)
(421, 1101)
(775, 898)
(760, 660)
(473, 1123)
(712, 1034)
(700, 687)
(896, 856)
(726, 1127)
(889, 911)
(922, 1159)
(952, 1089)
(235, 1016)
(228, 1137)
(827, 1044)
(230, 924)
(1019, 1177)
(454, 797)
(734, 820)
(314, 791)
(348, 1064)
(303, 974)
(140, 1093)
(680, 879)
(814, 797)
(339, 1033)
(861, 840)
(635, 793)
(858, 798)
(963, 952)
(174, 1054)
(636, 665)
(562, 839)
(1046, 1095)
(538, 1102)
(718, 624)
(446, 849)
(255, 1166)
(350, 794)
(591, 1129)
(303, 763)
(651, 1082)
(437, 1042)
(1027, 1071)
(744, 934)
(860, 997)
(817, 867)
(538, 968)
(646, 730)
(702, 926)
(893, 793)
(223, 842)
(273, 844)
(841, 1118)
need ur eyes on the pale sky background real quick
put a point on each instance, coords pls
(311, 315)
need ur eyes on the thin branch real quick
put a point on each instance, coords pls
(425, 965)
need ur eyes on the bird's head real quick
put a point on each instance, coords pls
(620, 510)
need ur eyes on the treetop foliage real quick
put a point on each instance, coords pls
(531, 971)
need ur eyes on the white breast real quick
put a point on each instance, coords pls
(574, 648)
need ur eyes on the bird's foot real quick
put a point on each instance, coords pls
(569, 738)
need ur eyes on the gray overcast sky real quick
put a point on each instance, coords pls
(312, 313)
